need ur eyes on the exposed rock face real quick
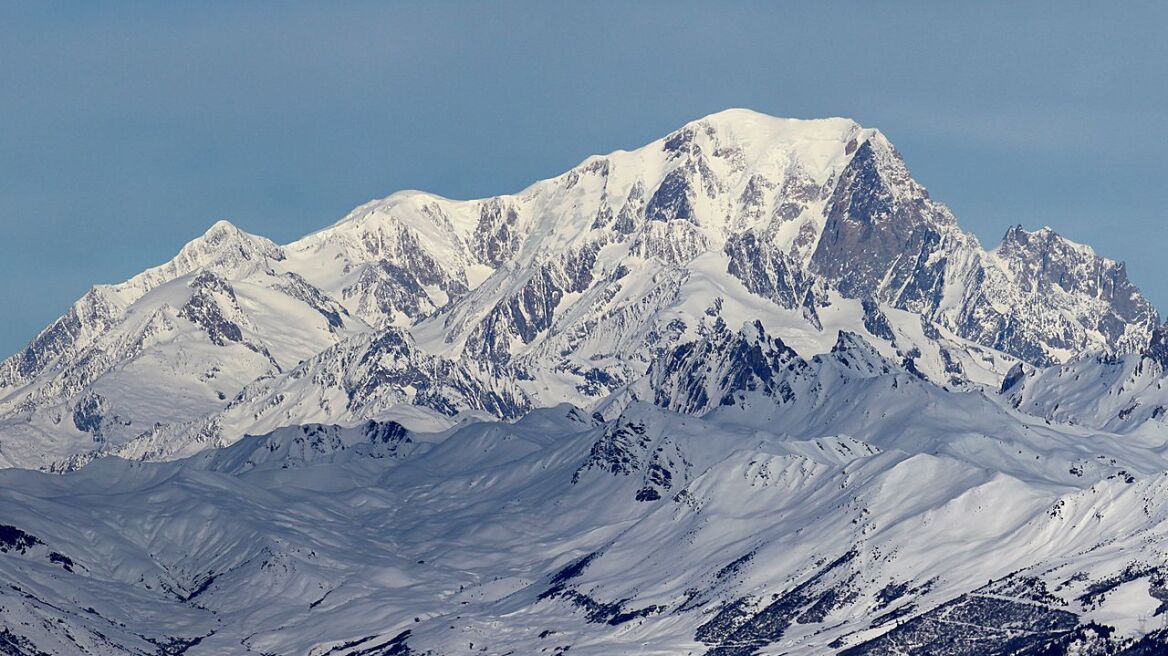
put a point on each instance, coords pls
(496, 239)
(389, 291)
(699, 376)
(882, 231)
(1047, 265)
(205, 309)
(1157, 348)
(521, 317)
(766, 271)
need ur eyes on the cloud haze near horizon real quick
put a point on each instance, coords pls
(126, 131)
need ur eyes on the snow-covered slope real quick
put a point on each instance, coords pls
(169, 345)
(810, 528)
(1117, 393)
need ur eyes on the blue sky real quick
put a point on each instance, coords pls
(126, 130)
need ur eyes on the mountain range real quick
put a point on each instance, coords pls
(747, 389)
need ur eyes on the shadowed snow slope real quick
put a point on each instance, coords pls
(760, 527)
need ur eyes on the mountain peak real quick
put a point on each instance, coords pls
(221, 227)
(222, 243)
(223, 248)
(224, 232)
(738, 118)
(758, 132)
(1044, 237)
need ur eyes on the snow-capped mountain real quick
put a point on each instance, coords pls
(744, 390)
(564, 292)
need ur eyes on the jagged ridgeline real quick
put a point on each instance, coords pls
(745, 390)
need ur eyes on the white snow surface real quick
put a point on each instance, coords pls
(314, 538)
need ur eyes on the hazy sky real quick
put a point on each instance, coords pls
(125, 131)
